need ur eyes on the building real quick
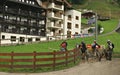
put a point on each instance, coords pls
(55, 16)
(21, 21)
(72, 23)
(61, 19)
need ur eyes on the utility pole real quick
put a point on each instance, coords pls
(96, 26)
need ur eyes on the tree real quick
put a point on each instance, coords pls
(118, 1)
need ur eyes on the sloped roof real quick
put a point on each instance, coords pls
(67, 3)
(38, 1)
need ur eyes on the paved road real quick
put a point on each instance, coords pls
(92, 68)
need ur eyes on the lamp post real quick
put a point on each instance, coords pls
(0, 34)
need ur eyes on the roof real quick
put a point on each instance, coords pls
(88, 14)
(38, 1)
(67, 3)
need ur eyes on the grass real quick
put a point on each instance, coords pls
(109, 25)
(102, 7)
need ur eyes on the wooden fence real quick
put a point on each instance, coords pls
(38, 59)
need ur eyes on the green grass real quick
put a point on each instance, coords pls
(109, 25)
(102, 7)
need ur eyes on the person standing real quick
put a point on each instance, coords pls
(110, 46)
(83, 49)
(64, 46)
(95, 45)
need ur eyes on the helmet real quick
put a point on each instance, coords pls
(108, 41)
(94, 41)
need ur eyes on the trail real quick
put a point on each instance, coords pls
(88, 68)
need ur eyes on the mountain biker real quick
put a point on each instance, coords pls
(110, 46)
(95, 45)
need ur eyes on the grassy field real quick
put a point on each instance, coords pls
(102, 7)
(108, 25)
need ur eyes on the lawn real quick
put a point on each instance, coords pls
(54, 45)
(108, 25)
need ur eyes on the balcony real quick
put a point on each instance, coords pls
(54, 26)
(41, 25)
(8, 21)
(11, 11)
(55, 6)
(1, 10)
(13, 30)
(55, 16)
(23, 13)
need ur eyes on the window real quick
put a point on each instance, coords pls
(3, 36)
(69, 25)
(76, 32)
(59, 31)
(68, 34)
(37, 39)
(6, 8)
(77, 18)
(69, 17)
(13, 38)
(29, 39)
(76, 26)
(30, 2)
(22, 39)
(27, 1)
(22, 0)
(6, 17)
(33, 3)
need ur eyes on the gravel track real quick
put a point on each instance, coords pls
(88, 68)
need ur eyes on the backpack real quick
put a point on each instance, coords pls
(111, 46)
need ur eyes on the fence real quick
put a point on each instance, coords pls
(38, 59)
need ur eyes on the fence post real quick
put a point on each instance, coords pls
(12, 60)
(66, 58)
(34, 60)
(74, 56)
(54, 59)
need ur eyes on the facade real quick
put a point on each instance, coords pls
(55, 16)
(72, 23)
(21, 21)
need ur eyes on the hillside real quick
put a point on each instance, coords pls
(102, 7)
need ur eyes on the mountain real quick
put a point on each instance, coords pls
(103, 7)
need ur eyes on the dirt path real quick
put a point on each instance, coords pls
(96, 68)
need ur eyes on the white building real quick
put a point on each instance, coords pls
(55, 17)
(72, 23)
